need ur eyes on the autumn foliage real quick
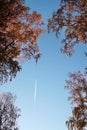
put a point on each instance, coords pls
(19, 32)
(72, 18)
(77, 86)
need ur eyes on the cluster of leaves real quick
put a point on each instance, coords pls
(8, 112)
(19, 32)
(72, 17)
(77, 85)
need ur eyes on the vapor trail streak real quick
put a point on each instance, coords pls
(35, 91)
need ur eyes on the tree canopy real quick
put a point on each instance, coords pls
(72, 17)
(9, 113)
(19, 31)
(77, 85)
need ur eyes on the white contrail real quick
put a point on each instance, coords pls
(35, 91)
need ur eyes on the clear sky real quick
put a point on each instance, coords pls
(50, 108)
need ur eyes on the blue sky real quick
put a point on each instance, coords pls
(52, 108)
